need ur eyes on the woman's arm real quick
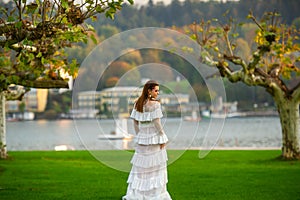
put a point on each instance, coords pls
(160, 129)
(136, 126)
(158, 126)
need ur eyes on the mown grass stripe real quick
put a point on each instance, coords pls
(233, 175)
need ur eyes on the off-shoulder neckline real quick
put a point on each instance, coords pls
(150, 106)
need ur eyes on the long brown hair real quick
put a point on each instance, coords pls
(144, 96)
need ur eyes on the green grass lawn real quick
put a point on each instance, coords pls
(229, 175)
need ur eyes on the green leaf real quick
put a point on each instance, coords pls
(193, 36)
(99, 9)
(94, 18)
(11, 19)
(64, 4)
(39, 55)
(187, 49)
(43, 60)
(85, 40)
(15, 79)
(90, 27)
(131, 2)
(73, 67)
(109, 14)
(89, 1)
(38, 2)
(18, 24)
(94, 39)
(64, 20)
(31, 8)
(31, 56)
(249, 16)
(2, 77)
(235, 35)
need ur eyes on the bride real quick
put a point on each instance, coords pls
(148, 177)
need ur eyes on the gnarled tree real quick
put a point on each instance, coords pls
(273, 65)
(33, 37)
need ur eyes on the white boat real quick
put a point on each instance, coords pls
(193, 118)
(120, 133)
(222, 115)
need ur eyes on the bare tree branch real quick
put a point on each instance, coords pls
(46, 83)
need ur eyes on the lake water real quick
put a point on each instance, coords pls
(255, 132)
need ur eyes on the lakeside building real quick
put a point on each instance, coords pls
(36, 100)
(89, 100)
(174, 104)
(106, 103)
(33, 101)
(119, 101)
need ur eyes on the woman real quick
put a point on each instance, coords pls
(148, 177)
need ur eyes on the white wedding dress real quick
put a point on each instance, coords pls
(148, 177)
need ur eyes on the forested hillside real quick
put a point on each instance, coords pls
(182, 13)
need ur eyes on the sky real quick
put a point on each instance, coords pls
(143, 2)
(140, 2)
(166, 2)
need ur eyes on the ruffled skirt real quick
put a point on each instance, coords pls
(149, 136)
(148, 177)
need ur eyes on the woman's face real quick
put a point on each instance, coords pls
(154, 92)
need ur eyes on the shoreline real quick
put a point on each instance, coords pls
(237, 148)
(171, 149)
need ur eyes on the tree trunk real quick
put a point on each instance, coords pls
(289, 119)
(3, 150)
